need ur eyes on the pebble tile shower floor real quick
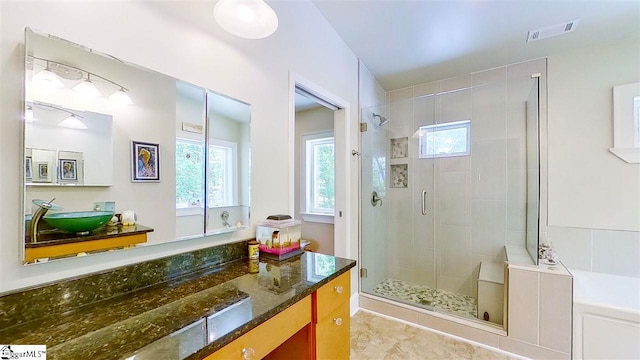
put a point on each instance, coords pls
(423, 295)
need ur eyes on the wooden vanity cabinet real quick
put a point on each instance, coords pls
(266, 337)
(316, 327)
(333, 319)
(73, 248)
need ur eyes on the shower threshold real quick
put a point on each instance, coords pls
(425, 296)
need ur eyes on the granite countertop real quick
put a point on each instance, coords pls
(188, 317)
(104, 232)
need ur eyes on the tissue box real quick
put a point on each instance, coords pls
(278, 236)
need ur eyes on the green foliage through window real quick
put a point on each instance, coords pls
(444, 140)
(320, 173)
(189, 173)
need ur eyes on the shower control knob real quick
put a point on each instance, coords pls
(338, 321)
(338, 289)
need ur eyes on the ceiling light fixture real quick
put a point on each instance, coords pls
(47, 78)
(28, 115)
(72, 122)
(120, 97)
(50, 77)
(249, 19)
(87, 88)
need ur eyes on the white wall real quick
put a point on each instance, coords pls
(197, 51)
(588, 186)
(594, 197)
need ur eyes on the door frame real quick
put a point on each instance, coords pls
(341, 121)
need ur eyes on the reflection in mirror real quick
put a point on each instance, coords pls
(533, 170)
(65, 80)
(80, 159)
(228, 159)
(190, 138)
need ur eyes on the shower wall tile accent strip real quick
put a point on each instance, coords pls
(399, 176)
(399, 148)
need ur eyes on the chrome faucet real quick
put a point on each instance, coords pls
(43, 207)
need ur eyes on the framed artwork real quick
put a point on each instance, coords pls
(42, 174)
(27, 167)
(43, 171)
(145, 162)
(68, 169)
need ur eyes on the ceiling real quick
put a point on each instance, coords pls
(404, 43)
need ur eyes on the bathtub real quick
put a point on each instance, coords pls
(606, 316)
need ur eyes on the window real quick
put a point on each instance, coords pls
(319, 167)
(221, 187)
(189, 173)
(445, 140)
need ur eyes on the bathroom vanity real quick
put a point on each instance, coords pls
(68, 244)
(196, 305)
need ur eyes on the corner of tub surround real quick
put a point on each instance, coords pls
(41, 301)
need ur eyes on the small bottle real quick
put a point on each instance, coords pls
(254, 266)
(254, 249)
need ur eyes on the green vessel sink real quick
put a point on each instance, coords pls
(80, 222)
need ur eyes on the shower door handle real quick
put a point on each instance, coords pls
(424, 202)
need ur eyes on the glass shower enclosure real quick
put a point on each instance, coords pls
(449, 177)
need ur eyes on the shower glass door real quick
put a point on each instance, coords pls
(397, 247)
(448, 143)
(449, 177)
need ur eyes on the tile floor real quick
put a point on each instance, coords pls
(423, 295)
(374, 337)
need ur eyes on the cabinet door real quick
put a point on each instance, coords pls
(333, 334)
(263, 339)
(332, 295)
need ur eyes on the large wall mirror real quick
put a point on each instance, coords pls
(104, 137)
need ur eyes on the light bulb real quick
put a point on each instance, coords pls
(87, 88)
(72, 122)
(121, 97)
(46, 78)
(28, 115)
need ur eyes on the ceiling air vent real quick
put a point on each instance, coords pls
(553, 30)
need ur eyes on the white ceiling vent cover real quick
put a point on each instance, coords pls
(553, 30)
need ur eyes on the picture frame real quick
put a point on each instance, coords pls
(42, 174)
(145, 162)
(68, 169)
(43, 170)
(28, 162)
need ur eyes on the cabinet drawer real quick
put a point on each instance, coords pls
(268, 335)
(333, 335)
(332, 295)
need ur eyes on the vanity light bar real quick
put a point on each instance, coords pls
(85, 87)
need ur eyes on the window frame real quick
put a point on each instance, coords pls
(435, 128)
(307, 173)
(230, 174)
(186, 209)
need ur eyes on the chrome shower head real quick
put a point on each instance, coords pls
(383, 120)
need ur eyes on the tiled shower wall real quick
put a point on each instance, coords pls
(475, 204)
